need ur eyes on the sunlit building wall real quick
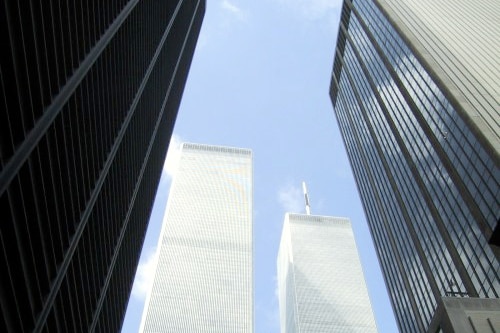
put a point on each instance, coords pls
(204, 274)
(415, 92)
(321, 287)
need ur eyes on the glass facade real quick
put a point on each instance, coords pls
(429, 185)
(321, 287)
(204, 274)
(90, 91)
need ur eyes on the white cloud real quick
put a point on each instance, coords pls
(313, 9)
(173, 156)
(230, 7)
(144, 276)
(291, 199)
(276, 287)
(234, 10)
(274, 316)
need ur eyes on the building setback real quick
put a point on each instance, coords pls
(321, 287)
(90, 93)
(204, 272)
(415, 92)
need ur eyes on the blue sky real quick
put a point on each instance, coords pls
(259, 79)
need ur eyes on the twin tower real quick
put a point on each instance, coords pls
(204, 274)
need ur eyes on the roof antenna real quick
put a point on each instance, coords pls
(306, 197)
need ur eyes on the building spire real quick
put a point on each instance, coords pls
(306, 197)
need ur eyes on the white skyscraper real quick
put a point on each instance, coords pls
(204, 275)
(320, 280)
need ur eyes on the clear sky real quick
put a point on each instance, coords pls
(260, 79)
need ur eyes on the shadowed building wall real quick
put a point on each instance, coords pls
(90, 92)
(415, 92)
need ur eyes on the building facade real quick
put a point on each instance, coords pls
(204, 272)
(90, 93)
(415, 92)
(321, 287)
(467, 315)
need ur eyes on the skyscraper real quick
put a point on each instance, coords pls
(320, 280)
(90, 92)
(415, 92)
(204, 274)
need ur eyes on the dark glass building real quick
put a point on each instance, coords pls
(90, 91)
(415, 92)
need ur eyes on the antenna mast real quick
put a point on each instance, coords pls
(306, 197)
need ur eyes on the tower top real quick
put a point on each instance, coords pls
(306, 198)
